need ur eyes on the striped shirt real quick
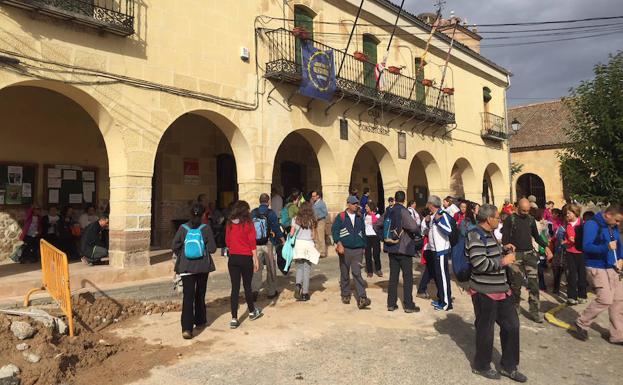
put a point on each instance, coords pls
(488, 274)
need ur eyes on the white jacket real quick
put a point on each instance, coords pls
(438, 233)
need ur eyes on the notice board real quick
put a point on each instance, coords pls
(17, 183)
(67, 185)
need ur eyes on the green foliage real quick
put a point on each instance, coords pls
(516, 168)
(592, 162)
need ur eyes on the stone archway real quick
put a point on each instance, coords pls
(463, 181)
(424, 178)
(494, 188)
(531, 184)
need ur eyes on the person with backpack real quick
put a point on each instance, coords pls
(440, 228)
(268, 234)
(349, 235)
(240, 239)
(401, 243)
(602, 246)
(304, 229)
(518, 232)
(193, 245)
(574, 258)
(492, 298)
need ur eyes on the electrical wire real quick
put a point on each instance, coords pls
(548, 41)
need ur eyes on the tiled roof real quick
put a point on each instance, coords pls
(541, 125)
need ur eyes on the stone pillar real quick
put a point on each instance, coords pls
(250, 191)
(130, 220)
(335, 195)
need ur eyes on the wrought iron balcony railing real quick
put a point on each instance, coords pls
(398, 93)
(115, 16)
(493, 127)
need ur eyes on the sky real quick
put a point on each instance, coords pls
(545, 71)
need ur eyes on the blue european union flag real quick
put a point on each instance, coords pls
(318, 72)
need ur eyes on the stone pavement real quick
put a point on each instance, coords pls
(326, 342)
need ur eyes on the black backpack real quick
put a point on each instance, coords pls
(579, 237)
(454, 234)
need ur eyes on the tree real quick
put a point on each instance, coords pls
(592, 161)
(516, 168)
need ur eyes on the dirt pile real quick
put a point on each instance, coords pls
(64, 359)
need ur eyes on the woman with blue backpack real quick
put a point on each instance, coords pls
(193, 243)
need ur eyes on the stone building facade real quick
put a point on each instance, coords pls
(168, 100)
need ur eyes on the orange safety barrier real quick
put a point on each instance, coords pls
(55, 280)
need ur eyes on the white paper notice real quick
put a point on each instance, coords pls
(54, 173)
(75, 198)
(52, 196)
(88, 196)
(26, 190)
(54, 183)
(14, 174)
(70, 175)
(88, 175)
(88, 187)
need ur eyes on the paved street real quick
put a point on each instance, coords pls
(326, 342)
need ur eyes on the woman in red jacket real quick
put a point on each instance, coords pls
(240, 241)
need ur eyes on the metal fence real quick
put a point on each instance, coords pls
(397, 92)
(493, 127)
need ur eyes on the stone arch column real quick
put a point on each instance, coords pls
(463, 179)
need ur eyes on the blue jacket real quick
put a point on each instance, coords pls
(273, 224)
(597, 235)
(352, 235)
(363, 202)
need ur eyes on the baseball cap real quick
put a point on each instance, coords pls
(352, 200)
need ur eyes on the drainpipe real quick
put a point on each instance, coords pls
(508, 147)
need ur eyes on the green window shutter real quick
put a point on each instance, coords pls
(420, 90)
(486, 94)
(369, 48)
(302, 18)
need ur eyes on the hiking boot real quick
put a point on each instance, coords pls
(414, 309)
(305, 297)
(579, 333)
(572, 302)
(346, 300)
(490, 374)
(363, 302)
(255, 314)
(297, 292)
(392, 308)
(515, 375)
(187, 335)
(379, 273)
(537, 317)
(233, 324)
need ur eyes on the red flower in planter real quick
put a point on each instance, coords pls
(427, 82)
(394, 70)
(448, 91)
(301, 33)
(360, 56)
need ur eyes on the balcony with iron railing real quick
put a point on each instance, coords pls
(398, 93)
(114, 16)
(493, 127)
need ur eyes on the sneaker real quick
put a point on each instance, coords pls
(379, 273)
(305, 297)
(515, 375)
(572, 302)
(436, 303)
(423, 295)
(187, 335)
(582, 300)
(579, 333)
(538, 318)
(346, 300)
(441, 308)
(392, 308)
(86, 261)
(233, 324)
(297, 292)
(491, 374)
(363, 302)
(255, 314)
(414, 309)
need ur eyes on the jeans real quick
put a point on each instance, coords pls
(373, 250)
(398, 262)
(240, 266)
(303, 274)
(489, 312)
(576, 275)
(350, 261)
(193, 304)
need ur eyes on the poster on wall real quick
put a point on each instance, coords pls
(53, 196)
(27, 190)
(14, 174)
(191, 172)
(13, 194)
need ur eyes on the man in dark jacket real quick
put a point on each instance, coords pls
(404, 229)
(93, 243)
(517, 234)
(265, 248)
(350, 238)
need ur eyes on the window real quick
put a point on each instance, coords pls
(369, 48)
(486, 94)
(303, 17)
(420, 90)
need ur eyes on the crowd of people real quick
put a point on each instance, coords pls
(83, 236)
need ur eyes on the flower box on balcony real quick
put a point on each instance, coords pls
(360, 56)
(448, 91)
(427, 82)
(301, 33)
(394, 70)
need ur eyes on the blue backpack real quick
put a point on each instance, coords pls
(387, 224)
(285, 219)
(461, 266)
(194, 247)
(260, 221)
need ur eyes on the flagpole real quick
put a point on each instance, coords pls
(350, 37)
(423, 57)
(389, 44)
